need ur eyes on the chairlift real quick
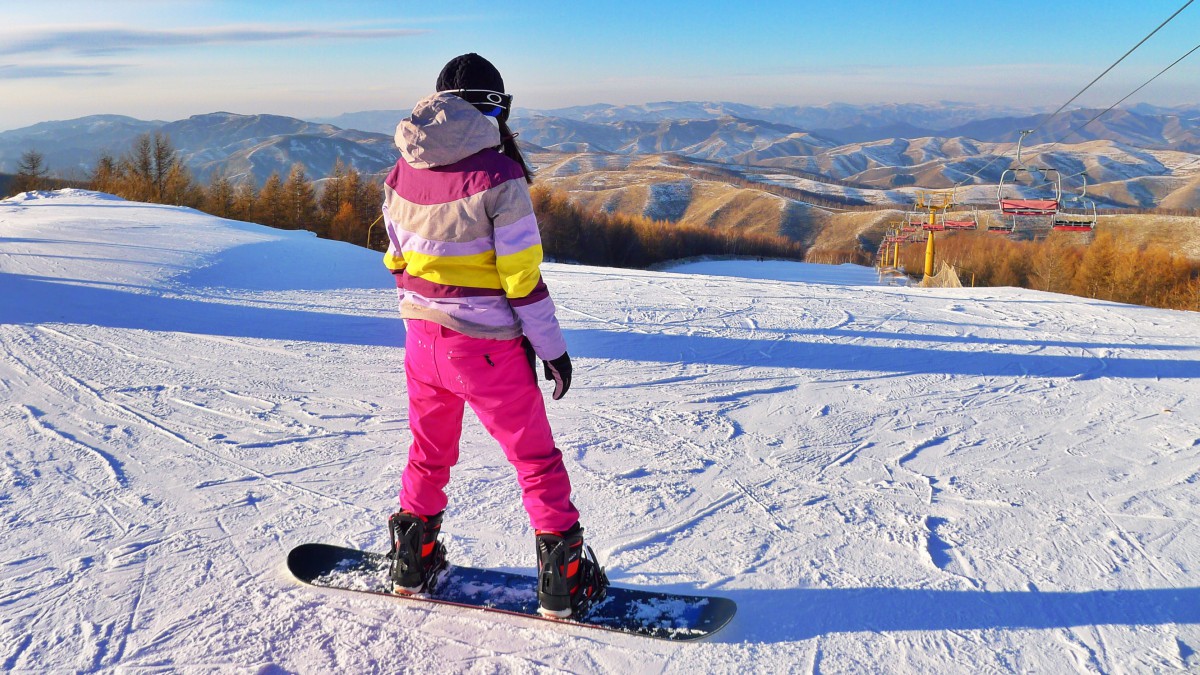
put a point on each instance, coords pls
(969, 224)
(914, 222)
(999, 227)
(1064, 225)
(1028, 207)
(1080, 222)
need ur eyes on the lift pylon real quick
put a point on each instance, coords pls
(934, 203)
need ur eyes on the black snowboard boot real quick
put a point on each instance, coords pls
(569, 578)
(417, 555)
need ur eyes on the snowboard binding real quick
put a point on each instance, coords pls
(570, 579)
(417, 556)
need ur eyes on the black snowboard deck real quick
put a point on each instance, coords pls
(656, 614)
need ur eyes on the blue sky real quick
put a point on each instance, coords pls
(158, 59)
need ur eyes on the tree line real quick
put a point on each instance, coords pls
(153, 171)
(347, 205)
(616, 240)
(1111, 267)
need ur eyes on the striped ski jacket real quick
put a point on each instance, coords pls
(464, 242)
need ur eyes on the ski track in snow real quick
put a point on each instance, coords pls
(884, 478)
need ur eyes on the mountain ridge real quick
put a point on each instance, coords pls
(1128, 155)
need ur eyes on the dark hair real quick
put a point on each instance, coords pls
(508, 146)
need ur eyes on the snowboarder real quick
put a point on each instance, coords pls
(466, 253)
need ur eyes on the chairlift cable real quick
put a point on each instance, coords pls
(1089, 86)
(1081, 127)
(1114, 65)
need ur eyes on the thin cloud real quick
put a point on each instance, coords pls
(104, 41)
(32, 72)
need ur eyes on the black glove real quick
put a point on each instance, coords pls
(559, 370)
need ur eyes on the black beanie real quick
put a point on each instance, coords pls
(470, 71)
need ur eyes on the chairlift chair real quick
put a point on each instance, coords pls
(1074, 225)
(971, 224)
(1028, 207)
(1081, 222)
(915, 222)
(999, 227)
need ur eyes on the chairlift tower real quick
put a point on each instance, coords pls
(934, 203)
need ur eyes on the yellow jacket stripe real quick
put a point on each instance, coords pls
(516, 273)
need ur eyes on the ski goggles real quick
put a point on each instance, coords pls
(488, 102)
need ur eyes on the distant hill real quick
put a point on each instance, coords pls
(72, 144)
(222, 142)
(1175, 131)
(1141, 157)
(932, 116)
(724, 139)
(374, 121)
(677, 190)
(257, 145)
(769, 153)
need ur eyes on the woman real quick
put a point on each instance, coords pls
(466, 252)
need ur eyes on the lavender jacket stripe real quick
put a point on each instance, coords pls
(410, 241)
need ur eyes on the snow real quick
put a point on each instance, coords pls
(884, 479)
(866, 195)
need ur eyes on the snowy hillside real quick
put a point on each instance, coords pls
(884, 479)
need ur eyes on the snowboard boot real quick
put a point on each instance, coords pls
(569, 578)
(417, 555)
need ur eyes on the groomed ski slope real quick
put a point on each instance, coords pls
(885, 479)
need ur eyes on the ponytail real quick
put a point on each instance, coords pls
(508, 146)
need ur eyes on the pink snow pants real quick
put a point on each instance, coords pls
(445, 370)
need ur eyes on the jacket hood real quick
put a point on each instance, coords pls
(443, 129)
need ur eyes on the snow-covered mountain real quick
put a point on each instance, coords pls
(257, 145)
(933, 116)
(69, 145)
(885, 479)
(1133, 159)
(1178, 130)
(1142, 125)
(1111, 154)
(723, 139)
(211, 144)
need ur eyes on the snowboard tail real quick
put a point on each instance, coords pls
(656, 614)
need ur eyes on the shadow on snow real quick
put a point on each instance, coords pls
(903, 358)
(786, 615)
(35, 300)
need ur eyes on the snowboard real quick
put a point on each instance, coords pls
(656, 614)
